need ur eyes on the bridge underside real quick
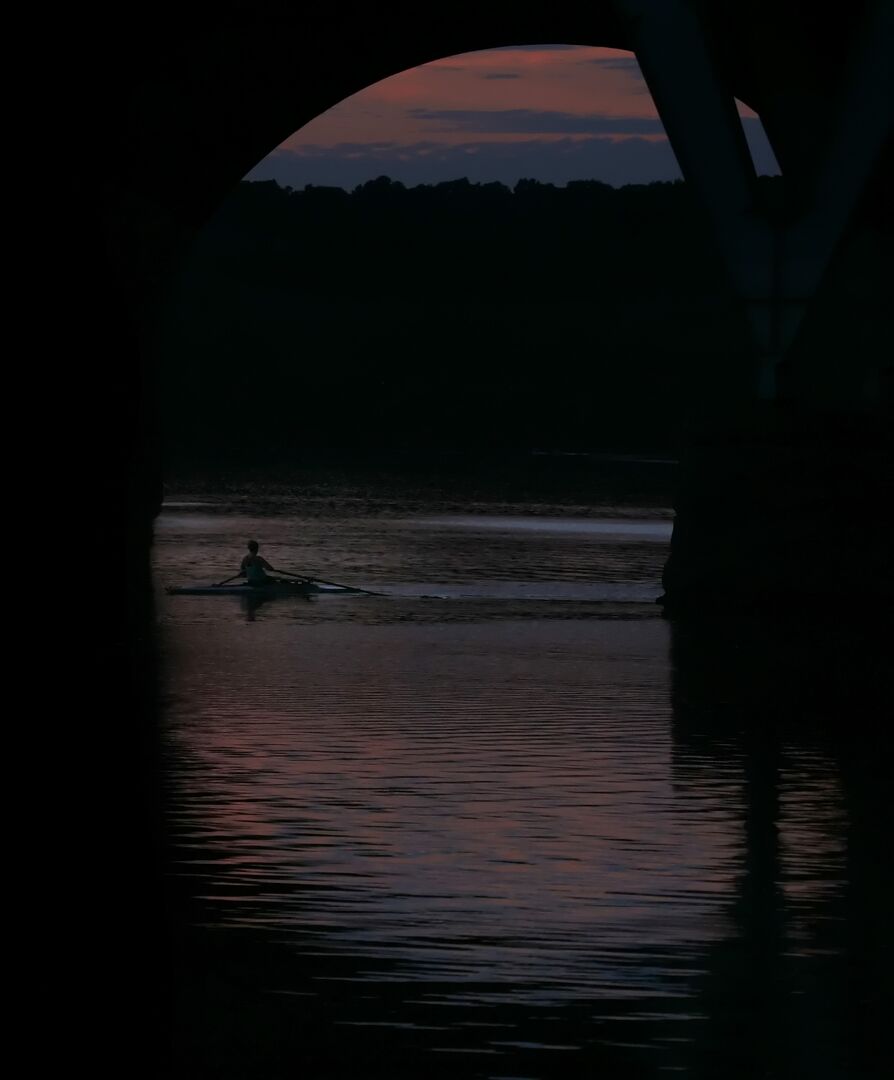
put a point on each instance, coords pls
(176, 118)
(171, 111)
(206, 96)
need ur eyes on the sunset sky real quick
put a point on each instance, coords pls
(549, 112)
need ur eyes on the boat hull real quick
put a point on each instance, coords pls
(251, 591)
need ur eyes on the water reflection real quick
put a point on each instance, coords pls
(251, 603)
(524, 827)
(425, 851)
(795, 704)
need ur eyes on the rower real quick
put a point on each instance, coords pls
(254, 568)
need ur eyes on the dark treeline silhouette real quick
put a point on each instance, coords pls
(451, 316)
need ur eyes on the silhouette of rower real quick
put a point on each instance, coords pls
(254, 569)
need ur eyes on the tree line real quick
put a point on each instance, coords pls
(448, 316)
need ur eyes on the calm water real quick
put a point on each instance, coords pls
(504, 821)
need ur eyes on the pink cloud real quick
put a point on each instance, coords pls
(524, 97)
(578, 80)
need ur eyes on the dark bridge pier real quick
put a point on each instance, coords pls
(784, 511)
(780, 503)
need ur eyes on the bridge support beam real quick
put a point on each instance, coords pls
(779, 505)
(775, 257)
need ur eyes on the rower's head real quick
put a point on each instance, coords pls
(253, 546)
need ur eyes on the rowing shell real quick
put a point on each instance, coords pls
(257, 591)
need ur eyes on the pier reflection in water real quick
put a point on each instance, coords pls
(798, 988)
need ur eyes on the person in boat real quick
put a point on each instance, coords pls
(254, 569)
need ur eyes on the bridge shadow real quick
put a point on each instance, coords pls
(795, 988)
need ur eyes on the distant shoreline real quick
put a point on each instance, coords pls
(453, 479)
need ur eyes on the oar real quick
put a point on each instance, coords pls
(217, 584)
(334, 584)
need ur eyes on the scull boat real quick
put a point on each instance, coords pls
(279, 588)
